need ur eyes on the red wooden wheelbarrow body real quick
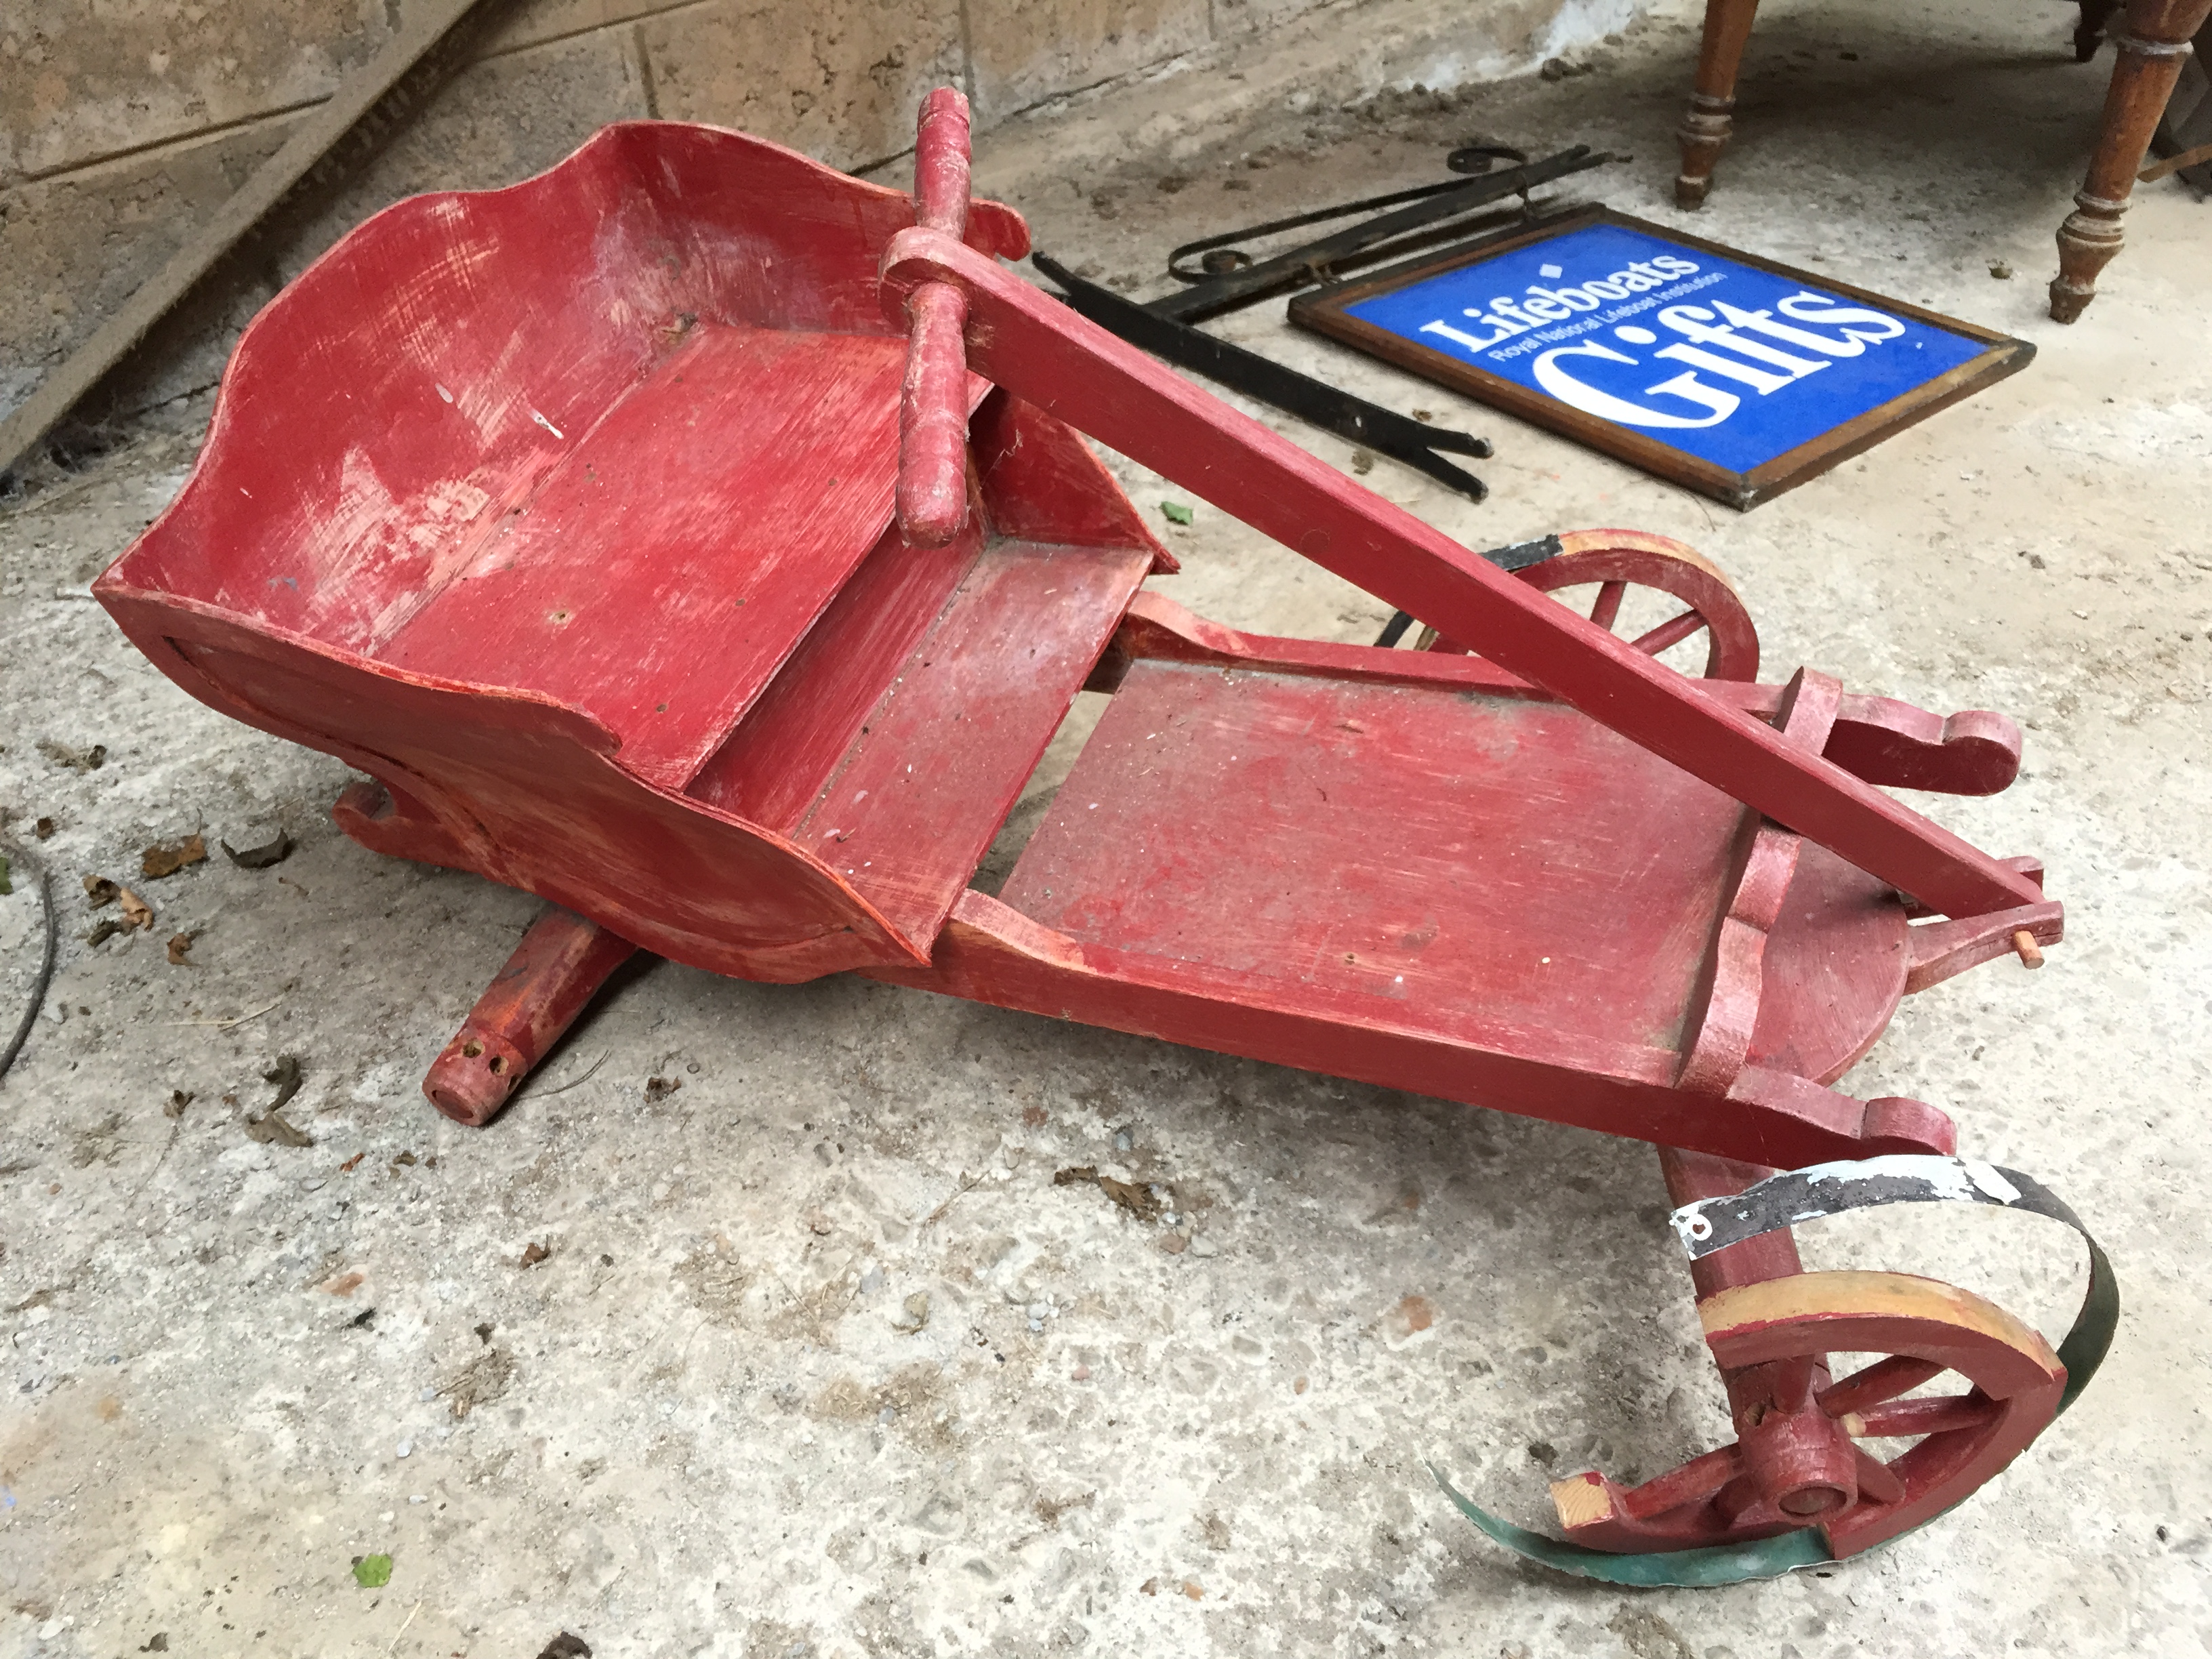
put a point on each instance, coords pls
(574, 515)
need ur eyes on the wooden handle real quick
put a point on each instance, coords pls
(2030, 953)
(933, 481)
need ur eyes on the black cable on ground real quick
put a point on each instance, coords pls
(46, 978)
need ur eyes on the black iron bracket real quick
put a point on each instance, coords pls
(1519, 557)
(1383, 430)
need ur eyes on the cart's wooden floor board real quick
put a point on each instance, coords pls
(1480, 860)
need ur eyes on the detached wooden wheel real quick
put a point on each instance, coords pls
(1812, 1451)
(1617, 560)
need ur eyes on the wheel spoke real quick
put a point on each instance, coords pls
(1671, 633)
(1877, 1480)
(1693, 1483)
(1607, 607)
(1936, 1415)
(1885, 1379)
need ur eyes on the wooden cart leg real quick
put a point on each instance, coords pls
(560, 964)
(2151, 47)
(1705, 124)
(1800, 1460)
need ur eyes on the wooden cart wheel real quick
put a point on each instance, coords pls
(1802, 1457)
(1617, 560)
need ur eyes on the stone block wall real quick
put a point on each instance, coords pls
(124, 123)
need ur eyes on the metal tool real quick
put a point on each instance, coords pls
(1330, 408)
(1227, 278)
(1219, 255)
(1386, 236)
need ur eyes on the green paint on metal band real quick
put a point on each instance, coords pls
(2082, 1352)
(1701, 1569)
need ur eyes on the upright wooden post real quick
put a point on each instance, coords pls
(932, 479)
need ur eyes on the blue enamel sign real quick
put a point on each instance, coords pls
(1724, 361)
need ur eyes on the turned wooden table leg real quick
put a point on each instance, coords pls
(2151, 47)
(1704, 130)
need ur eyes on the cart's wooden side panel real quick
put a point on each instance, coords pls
(1973, 752)
(774, 766)
(947, 751)
(529, 794)
(1041, 483)
(991, 953)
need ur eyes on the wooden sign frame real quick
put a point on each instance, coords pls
(1328, 311)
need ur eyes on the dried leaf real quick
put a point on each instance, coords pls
(272, 1129)
(179, 1099)
(372, 1571)
(1138, 1200)
(105, 931)
(914, 1316)
(99, 891)
(479, 1382)
(287, 1076)
(167, 858)
(565, 1646)
(180, 948)
(346, 1284)
(1176, 513)
(532, 1254)
(659, 1088)
(346, 1167)
(43, 828)
(77, 760)
(259, 857)
(137, 913)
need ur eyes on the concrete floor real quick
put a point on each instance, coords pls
(707, 1422)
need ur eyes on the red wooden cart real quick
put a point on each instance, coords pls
(575, 515)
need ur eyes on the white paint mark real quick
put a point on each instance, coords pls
(1947, 1175)
(547, 424)
(1986, 1176)
(1549, 271)
(442, 392)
